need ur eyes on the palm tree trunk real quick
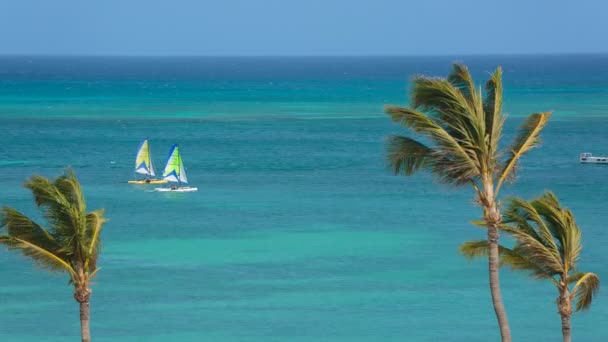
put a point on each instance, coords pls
(564, 307)
(493, 265)
(84, 322)
(82, 294)
(493, 218)
(566, 328)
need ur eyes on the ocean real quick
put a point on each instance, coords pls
(299, 231)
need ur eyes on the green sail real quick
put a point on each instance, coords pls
(174, 171)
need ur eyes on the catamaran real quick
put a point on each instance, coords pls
(588, 158)
(143, 165)
(175, 172)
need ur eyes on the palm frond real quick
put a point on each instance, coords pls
(45, 193)
(560, 221)
(479, 223)
(474, 249)
(461, 79)
(463, 128)
(20, 226)
(573, 278)
(95, 221)
(536, 252)
(521, 210)
(56, 207)
(407, 155)
(493, 109)
(517, 260)
(425, 124)
(585, 289)
(527, 138)
(39, 255)
(480, 248)
(72, 241)
(454, 157)
(508, 257)
(450, 107)
(69, 186)
(513, 217)
(549, 239)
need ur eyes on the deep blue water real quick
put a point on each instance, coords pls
(299, 232)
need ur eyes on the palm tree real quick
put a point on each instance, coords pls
(462, 132)
(548, 245)
(70, 242)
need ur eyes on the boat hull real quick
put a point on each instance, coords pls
(595, 160)
(180, 189)
(151, 181)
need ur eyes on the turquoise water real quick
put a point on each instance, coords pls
(298, 232)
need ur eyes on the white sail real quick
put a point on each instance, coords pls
(182, 172)
(151, 166)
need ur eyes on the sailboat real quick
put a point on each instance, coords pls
(143, 165)
(175, 172)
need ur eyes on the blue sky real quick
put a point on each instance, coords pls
(306, 27)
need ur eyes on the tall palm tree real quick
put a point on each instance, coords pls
(548, 245)
(461, 127)
(70, 242)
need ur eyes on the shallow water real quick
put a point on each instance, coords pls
(298, 231)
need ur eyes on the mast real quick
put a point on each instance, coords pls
(179, 172)
(151, 168)
(149, 161)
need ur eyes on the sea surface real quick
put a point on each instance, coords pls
(299, 231)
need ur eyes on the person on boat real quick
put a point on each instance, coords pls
(173, 187)
(147, 180)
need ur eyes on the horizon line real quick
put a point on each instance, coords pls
(523, 54)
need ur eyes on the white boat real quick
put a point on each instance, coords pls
(175, 173)
(143, 165)
(177, 189)
(588, 158)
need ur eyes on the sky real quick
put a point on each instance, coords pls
(305, 27)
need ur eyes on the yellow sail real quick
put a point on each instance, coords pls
(143, 165)
(143, 161)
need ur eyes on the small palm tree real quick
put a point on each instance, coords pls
(548, 245)
(462, 132)
(70, 243)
